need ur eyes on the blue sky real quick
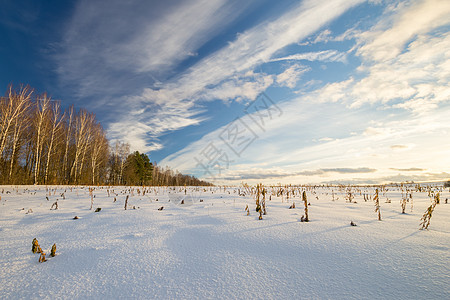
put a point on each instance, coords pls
(250, 91)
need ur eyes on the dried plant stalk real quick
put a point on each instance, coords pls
(377, 204)
(305, 218)
(426, 218)
(53, 251)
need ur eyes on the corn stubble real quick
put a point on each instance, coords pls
(305, 217)
(426, 218)
(36, 248)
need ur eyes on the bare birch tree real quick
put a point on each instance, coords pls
(99, 150)
(12, 108)
(39, 144)
(84, 123)
(21, 123)
(41, 118)
(88, 140)
(68, 133)
(80, 136)
(56, 123)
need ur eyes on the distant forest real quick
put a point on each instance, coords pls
(41, 144)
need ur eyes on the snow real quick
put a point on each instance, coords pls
(211, 249)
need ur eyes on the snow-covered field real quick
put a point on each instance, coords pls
(208, 248)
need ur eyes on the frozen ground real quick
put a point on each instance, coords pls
(208, 248)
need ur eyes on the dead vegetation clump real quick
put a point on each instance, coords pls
(426, 218)
(376, 199)
(305, 217)
(36, 248)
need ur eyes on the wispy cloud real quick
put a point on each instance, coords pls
(391, 109)
(279, 174)
(255, 46)
(112, 61)
(408, 169)
(238, 87)
(223, 69)
(390, 105)
(291, 75)
(404, 60)
(148, 45)
(429, 177)
(349, 170)
(147, 38)
(327, 35)
(183, 29)
(326, 55)
(407, 20)
(418, 77)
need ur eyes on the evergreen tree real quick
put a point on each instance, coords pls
(138, 169)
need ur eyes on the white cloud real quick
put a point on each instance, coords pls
(259, 44)
(153, 120)
(415, 80)
(332, 92)
(291, 75)
(132, 132)
(188, 25)
(279, 174)
(326, 55)
(389, 37)
(415, 77)
(283, 153)
(226, 68)
(324, 36)
(419, 76)
(147, 37)
(408, 170)
(375, 131)
(111, 51)
(402, 126)
(239, 87)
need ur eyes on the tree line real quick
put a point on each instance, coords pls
(136, 169)
(42, 144)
